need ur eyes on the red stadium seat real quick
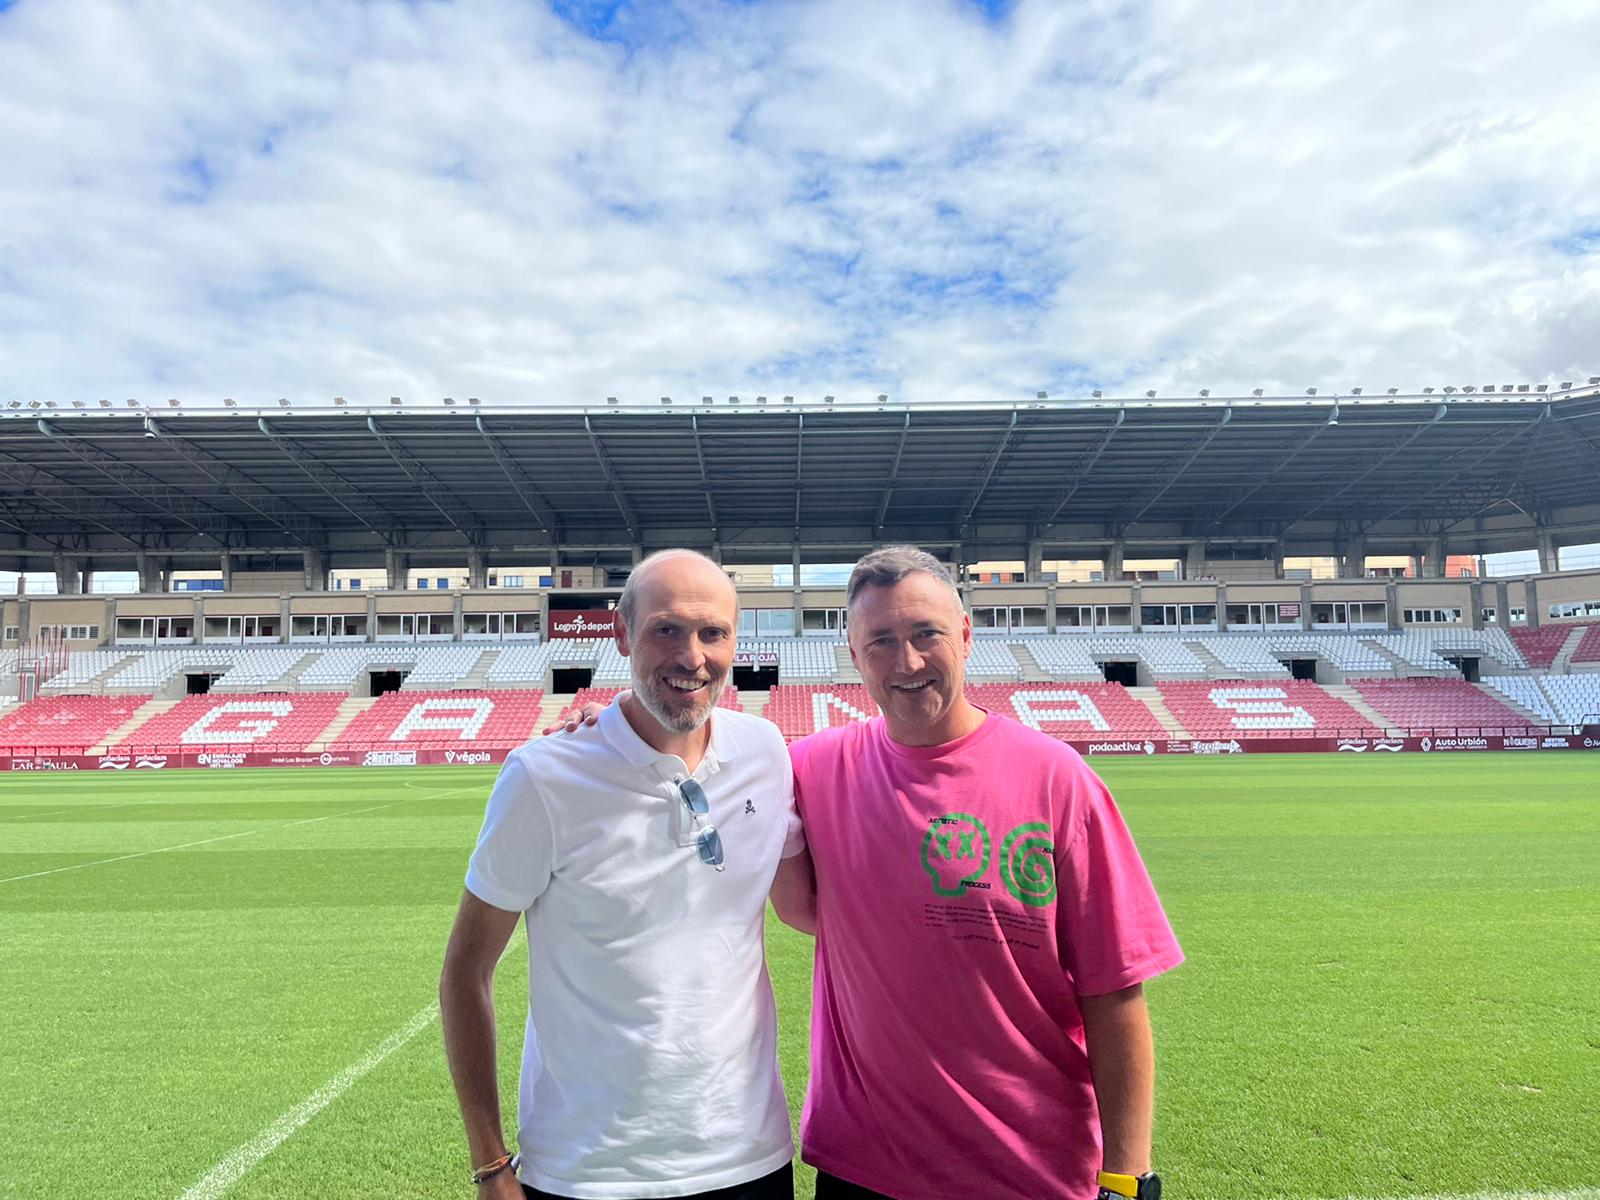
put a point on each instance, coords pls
(456, 720)
(278, 721)
(65, 724)
(1439, 704)
(1263, 708)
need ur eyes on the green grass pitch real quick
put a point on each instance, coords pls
(1393, 985)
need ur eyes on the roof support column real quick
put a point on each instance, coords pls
(315, 563)
(1353, 557)
(636, 551)
(1034, 567)
(477, 569)
(1277, 560)
(1549, 553)
(1434, 558)
(149, 573)
(1530, 602)
(1113, 562)
(396, 565)
(226, 566)
(1194, 559)
(69, 575)
(1391, 603)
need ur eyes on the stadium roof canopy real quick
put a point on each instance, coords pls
(1307, 475)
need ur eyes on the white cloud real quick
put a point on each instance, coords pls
(482, 198)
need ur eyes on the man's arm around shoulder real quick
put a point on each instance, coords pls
(794, 892)
(466, 1011)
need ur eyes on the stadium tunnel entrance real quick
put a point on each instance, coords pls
(199, 684)
(382, 682)
(1302, 668)
(1125, 673)
(566, 680)
(1469, 667)
(755, 679)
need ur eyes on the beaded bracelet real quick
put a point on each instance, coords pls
(489, 1170)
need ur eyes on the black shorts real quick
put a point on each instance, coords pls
(777, 1186)
(831, 1187)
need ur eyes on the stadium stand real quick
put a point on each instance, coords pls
(1524, 690)
(521, 664)
(83, 668)
(1166, 656)
(1076, 711)
(992, 659)
(282, 721)
(1345, 652)
(1540, 646)
(1574, 698)
(65, 724)
(1064, 657)
(1425, 704)
(261, 668)
(1588, 650)
(799, 709)
(1286, 708)
(441, 666)
(457, 720)
(1245, 655)
(337, 669)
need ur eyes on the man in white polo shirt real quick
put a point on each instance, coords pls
(641, 852)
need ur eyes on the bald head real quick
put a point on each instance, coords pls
(670, 571)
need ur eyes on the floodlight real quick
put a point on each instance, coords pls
(666, 399)
(1506, 387)
(1449, 390)
(1097, 393)
(105, 404)
(15, 404)
(135, 404)
(705, 399)
(761, 399)
(283, 402)
(609, 400)
(1257, 391)
(1543, 387)
(1392, 391)
(827, 399)
(1311, 391)
(1333, 417)
(1522, 387)
(1428, 391)
(449, 403)
(339, 401)
(884, 399)
(1355, 391)
(788, 399)
(77, 404)
(49, 403)
(1150, 395)
(1036, 396)
(733, 399)
(1566, 385)
(1594, 379)
(394, 400)
(33, 404)
(1204, 392)
(227, 402)
(472, 401)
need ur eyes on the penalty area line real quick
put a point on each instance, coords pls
(238, 1161)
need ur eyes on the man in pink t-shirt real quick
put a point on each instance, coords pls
(984, 925)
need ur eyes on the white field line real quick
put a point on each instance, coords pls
(1586, 1193)
(232, 1168)
(100, 862)
(241, 1159)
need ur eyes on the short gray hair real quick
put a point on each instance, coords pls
(888, 566)
(628, 602)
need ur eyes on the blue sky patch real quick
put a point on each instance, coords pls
(1579, 242)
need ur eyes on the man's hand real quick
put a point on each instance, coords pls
(572, 718)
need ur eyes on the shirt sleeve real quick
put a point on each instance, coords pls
(1112, 929)
(515, 855)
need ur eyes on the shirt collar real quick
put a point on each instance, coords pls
(635, 750)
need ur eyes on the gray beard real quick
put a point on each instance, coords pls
(644, 691)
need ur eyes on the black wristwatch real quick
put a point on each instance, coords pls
(1129, 1187)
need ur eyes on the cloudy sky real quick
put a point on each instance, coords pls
(938, 199)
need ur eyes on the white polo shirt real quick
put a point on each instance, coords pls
(650, 1064)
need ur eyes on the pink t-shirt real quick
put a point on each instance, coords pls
(967, 895)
